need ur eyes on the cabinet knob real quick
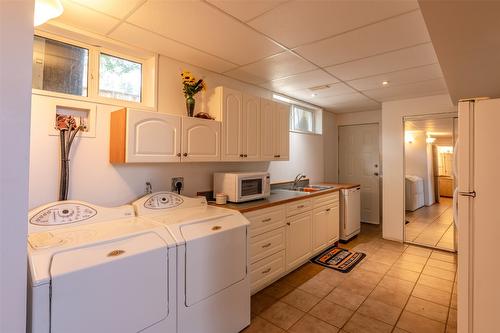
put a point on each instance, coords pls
(279, 155)
(185, 154)
(245, 155)
(288, 223)
(276, 155)
(241, 155)
(375, 173)
(178, 154)
(328, 209)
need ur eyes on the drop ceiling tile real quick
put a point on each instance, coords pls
(389, 62)
(246, 10)
(424, 88)
(204, 27)
(84, 18)
(324, 18)
(392, 34)
(145, 39)
(405, 76)
(347, 103)
(115, 8)
(300, 81)
(271, 68)
(335, 89)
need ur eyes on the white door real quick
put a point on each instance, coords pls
(282, 131)
(298, 239)
(267, 121)
(200, 140)
(152, 137)
(250, 136)
(359, 164)
(232, 116)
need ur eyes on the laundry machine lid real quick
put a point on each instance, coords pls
(118, 286)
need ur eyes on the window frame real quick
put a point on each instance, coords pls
(149, 65)
(123, 57)
(293, 127)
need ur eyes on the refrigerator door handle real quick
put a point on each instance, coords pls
(471, 194)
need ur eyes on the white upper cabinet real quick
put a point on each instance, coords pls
(240, 115)
(200, 140)
(282, 128)
(141, 137)
(232, 122)
(250, 128)
(275, 135)
(267, 128)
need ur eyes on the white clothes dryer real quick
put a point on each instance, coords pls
(213, 286)
(100, 270)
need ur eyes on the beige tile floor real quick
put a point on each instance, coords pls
(432, 226)
(396, 288)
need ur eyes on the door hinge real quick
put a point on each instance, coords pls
(471, 194)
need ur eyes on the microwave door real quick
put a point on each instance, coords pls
(251, 188)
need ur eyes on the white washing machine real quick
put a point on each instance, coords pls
(100, 270)
(213, 286)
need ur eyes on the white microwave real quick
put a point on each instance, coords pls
(242, 186)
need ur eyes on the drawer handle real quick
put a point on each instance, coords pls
(216, 227)
(288, 223)
(276, 156)
(300, 206)
(266, 245)
(116, 253)
(266, 271)
(267, 220)
(328, 209)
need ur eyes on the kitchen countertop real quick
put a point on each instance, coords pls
(279, 197)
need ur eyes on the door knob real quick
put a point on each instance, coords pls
(375, 173)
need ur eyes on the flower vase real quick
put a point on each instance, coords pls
(190, 102)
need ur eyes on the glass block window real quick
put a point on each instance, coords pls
(60, 67)
(120, 78)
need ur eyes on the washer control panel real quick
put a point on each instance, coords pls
(163, 200)
(63, 213)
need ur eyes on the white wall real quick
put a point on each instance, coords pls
(94, 179)
(392, 157)
(16, 31)
(357, 118)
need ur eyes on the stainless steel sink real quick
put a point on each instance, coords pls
(307, 189)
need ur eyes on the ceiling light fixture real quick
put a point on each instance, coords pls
(384, 83)
(46, 10)
(314, 95)
(430, 140)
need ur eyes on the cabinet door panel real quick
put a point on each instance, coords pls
(333, 230)
(200, 140)
(320, 229)
(298, 239)
(283, 131)
(232, 115)
(267, 121)
(152, 137)
(251, 128)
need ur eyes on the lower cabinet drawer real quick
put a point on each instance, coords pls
(266, 244)
(267, 270)
(326, 199)
(265, 219)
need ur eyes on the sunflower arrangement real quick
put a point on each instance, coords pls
(191, 85)
(191, 88)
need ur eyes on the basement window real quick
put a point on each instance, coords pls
(60, 67)
(305, 120)
(120, 78)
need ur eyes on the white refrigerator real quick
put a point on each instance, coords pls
(479, 216)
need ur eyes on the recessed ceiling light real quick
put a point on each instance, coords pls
(384, 83)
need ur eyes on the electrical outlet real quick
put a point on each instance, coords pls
(175, 181)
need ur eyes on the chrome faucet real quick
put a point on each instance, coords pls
(297, 179)
(149, 188)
